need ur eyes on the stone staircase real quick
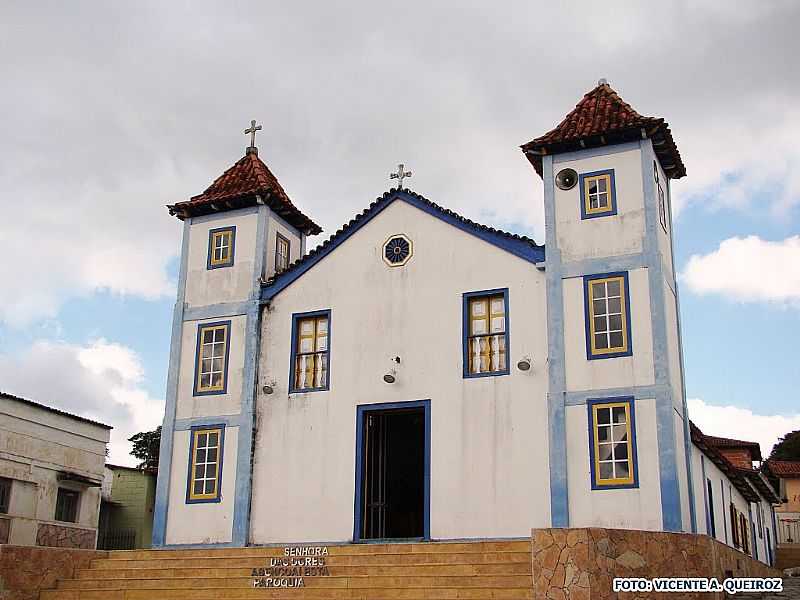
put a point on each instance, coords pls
(496, 570)
(788, 556)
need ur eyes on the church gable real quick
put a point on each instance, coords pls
(520, 246)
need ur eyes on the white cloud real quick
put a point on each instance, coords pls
(100, 380)
(742, 423)
(748, 270)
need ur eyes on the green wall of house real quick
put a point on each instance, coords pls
(133, 496)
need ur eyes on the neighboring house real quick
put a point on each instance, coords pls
(734, 499)
(422, 376)
(126, 512)
(787, 474)
(51, 470)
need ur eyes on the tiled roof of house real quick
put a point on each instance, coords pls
(54, 410)
(784, 468)
(519, 245)
(737, 476)
(721, 442)
(602, 118)
(244, 184)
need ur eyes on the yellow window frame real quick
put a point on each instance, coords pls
(587, 205)
(196, 433)
(199, 368)
(217, 235)
(596, 449)
(624, 316)
(488, 316)
(315, 338)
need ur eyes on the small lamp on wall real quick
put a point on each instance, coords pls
(391, 376)
(524, 364)
(269, 387)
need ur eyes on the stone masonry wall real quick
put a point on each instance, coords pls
(25, 570)
(65, 537)
(580, 564)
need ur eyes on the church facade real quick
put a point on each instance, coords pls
(422, 376)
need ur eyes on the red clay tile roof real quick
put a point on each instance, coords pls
(721, 442)
(784, 468)
(241, 186)
(601, 118)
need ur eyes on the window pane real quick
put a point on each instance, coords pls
(616, 339)
(615, 323)
(322, 343)
(479, 327)
(498, 324)
(599, 290)
(208, 336)
(622, 470)
(213, 439)
(614, 305)
(478, 308)
(216, 379)
(307, 327)
(216, 365)
(211, 455)
(606, 471)
(619, 414)
(306, 344)
(621, 451)
(620, 433)
(199, 471)
(603, 416)
(604, 451)
(604, 433)
(592, 186)
(600, 341)
(613, 287)
(210, 483)
(600, 324)
(202, 438)
(602, 201)
(601, 184)
(198, 487)
(200, 456)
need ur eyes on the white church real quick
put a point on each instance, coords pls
(420, 376)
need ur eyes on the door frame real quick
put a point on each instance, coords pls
(361, 411)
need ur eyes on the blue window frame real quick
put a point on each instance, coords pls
(485, 333)
(612, 443)
(598, 194)
(607, 315)
(211, 358)
(204, 478)
(310, 362)
(221, 247)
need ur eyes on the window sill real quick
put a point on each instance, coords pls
(306, 390)
(487, 374)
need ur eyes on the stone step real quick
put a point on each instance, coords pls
(352, 582)
(519, 567)
(333, 550)
(224, 593)
(166, 559)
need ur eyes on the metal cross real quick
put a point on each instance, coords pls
(252, 131)
(400, 175)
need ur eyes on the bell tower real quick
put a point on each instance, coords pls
(619, 436)
(239, 232)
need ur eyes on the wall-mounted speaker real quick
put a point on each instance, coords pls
(566, 179)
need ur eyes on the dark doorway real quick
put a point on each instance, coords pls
(393, 478)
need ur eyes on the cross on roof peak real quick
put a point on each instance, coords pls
(252, 131)
(400, 175)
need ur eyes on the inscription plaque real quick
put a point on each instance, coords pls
(291, 569)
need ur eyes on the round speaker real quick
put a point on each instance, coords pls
(566, 179)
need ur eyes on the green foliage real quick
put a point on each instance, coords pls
(788, 447)
(146, 446)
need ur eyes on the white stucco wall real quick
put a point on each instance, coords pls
(229, 403)
(202, 523)
(610, 235)
(489, 474)
(635, 370)
(37, 444)
(636, 508)
(206, 286)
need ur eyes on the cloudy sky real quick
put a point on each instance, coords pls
(112, 110)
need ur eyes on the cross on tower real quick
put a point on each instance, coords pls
(400, 175)
(252, 131)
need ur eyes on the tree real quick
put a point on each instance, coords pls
(146, 446)
(788, 447)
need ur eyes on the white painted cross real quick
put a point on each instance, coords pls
(400, 175)
(252, 131)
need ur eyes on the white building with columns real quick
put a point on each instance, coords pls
(422, 376)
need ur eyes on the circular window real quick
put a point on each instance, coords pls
(397, 250)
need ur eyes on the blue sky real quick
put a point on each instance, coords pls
(116, 113)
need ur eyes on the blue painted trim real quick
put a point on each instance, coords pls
(672, 518)
(752, 530)
(625, 262)
(556, 372)
(200, 327)
(167, 432)
(774, 531)
(466, 297)
(706, 500)
(516, 247)
(587, 280)
(295, 318)
(189, 423)
(612, 209)
(218, 498)
(642, 392)
(243, 491)
(724, 511)
(592, 152)
(216, 311)
(361, 410)
(631, 402)
(229, 262)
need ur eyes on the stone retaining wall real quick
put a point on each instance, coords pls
(580, 564)
(25, 570)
